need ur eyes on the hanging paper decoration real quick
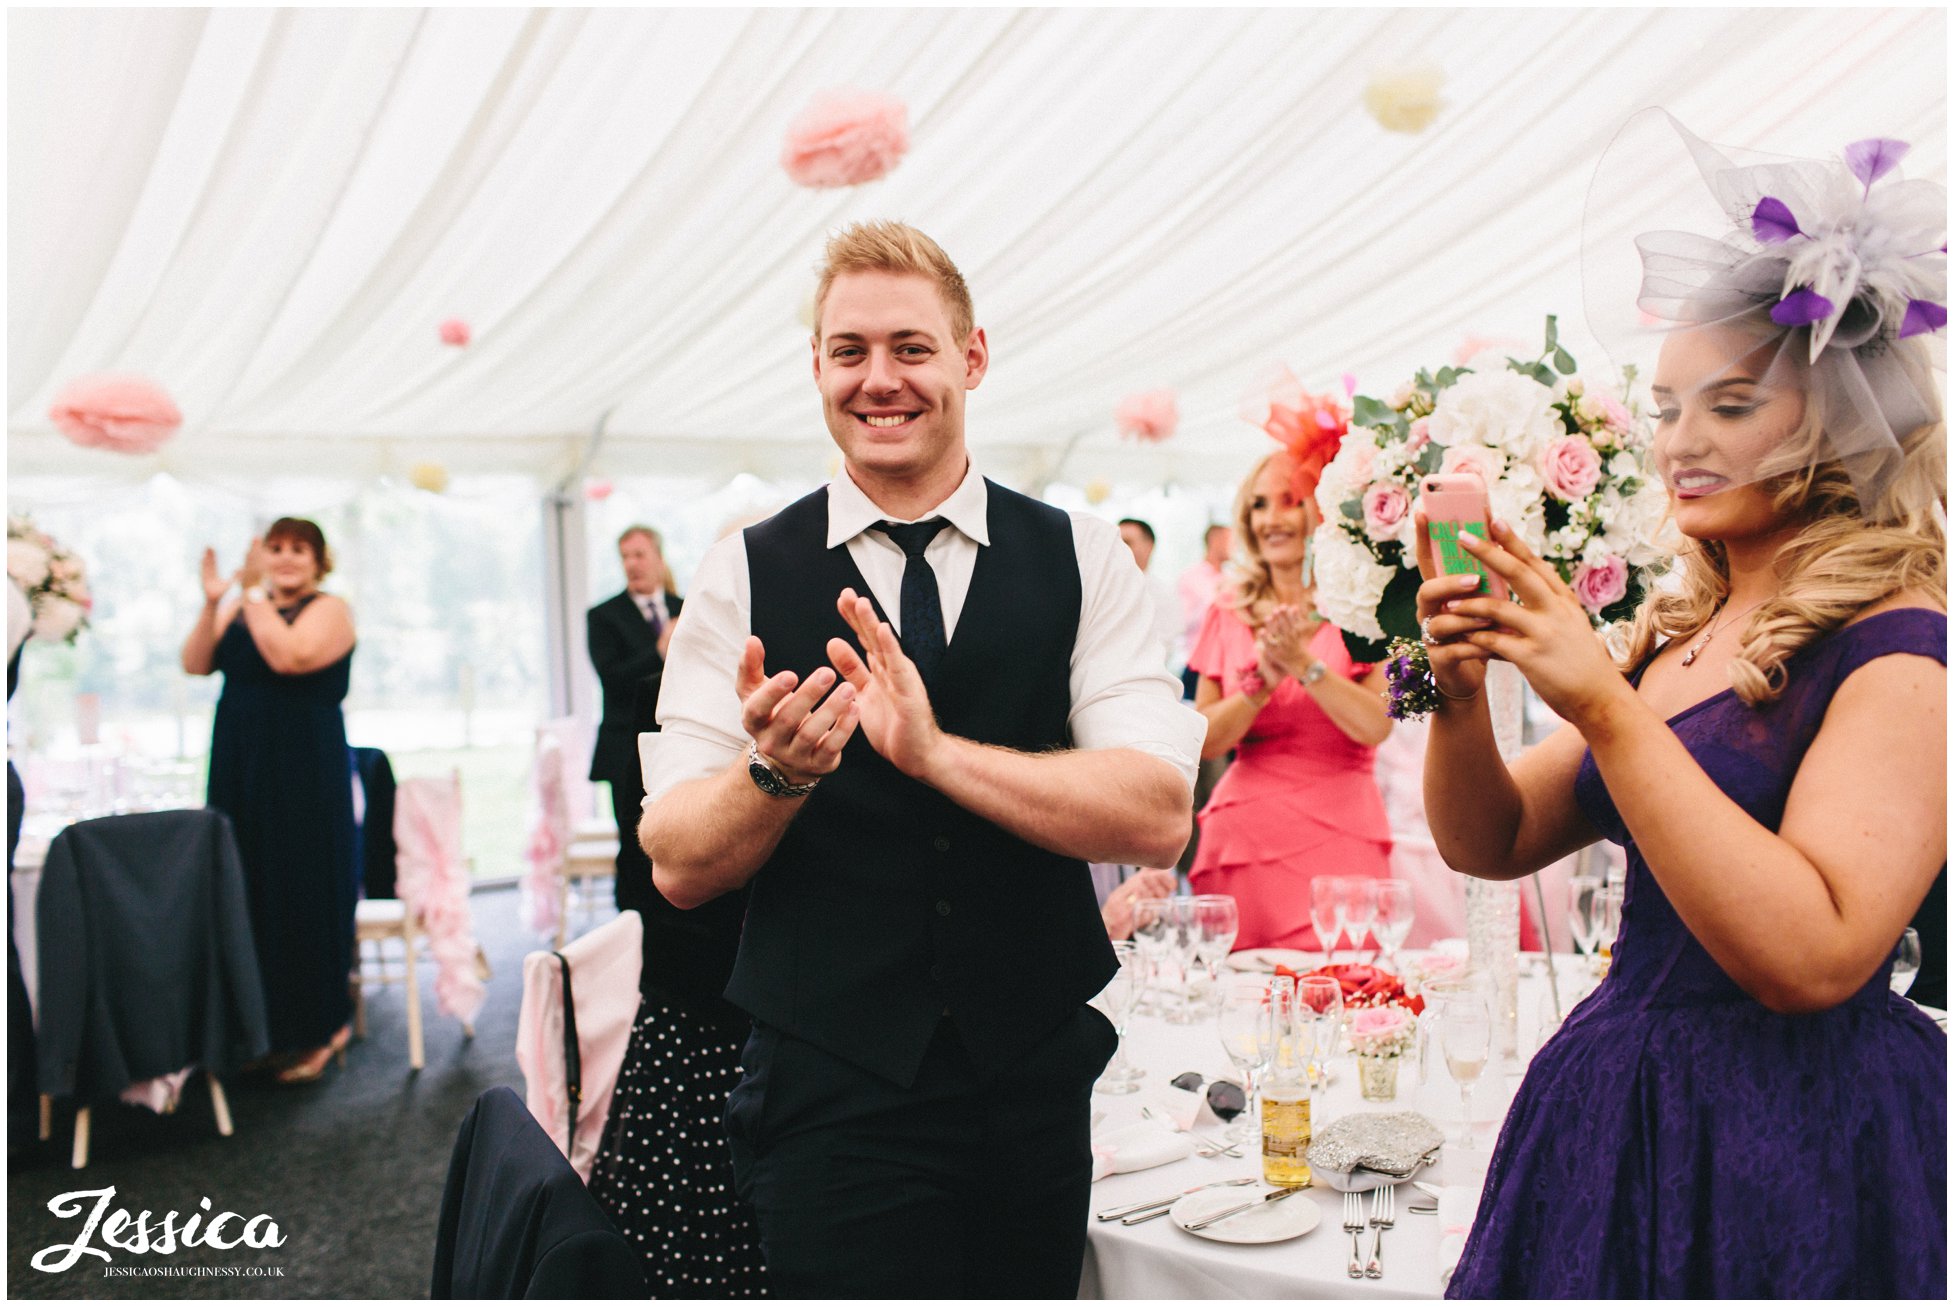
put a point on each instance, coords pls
(431, 477)
(845, 138)
(1150, 415)
(130, 415)
(597, 490)
(1405, 99)
(456, 332)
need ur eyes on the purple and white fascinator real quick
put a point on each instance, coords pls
(1827, 276)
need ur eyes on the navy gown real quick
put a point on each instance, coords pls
(1678, 1139)
(279, 769)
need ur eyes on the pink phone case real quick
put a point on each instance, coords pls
(1455, 502)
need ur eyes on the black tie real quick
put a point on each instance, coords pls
(923, 638)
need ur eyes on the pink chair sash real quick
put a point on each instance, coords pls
(604, 968)
(434, 886)
(549, 834)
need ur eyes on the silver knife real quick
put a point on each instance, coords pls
(1113, 1213)
(1275, 1197)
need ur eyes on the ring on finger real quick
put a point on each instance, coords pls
(1425, 631)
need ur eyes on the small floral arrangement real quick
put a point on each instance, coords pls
(1381, 1031)
(1565, 462)
(1435, 966)
(54, 580)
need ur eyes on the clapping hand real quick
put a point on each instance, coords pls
(253, 571)
(215, 582)
(1547, 634)
(1284, 640)
(802, 735)
(895, 707)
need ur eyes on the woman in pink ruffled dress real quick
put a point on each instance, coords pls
(1278, 687)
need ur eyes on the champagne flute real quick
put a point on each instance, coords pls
(1217, 920)
(1322, 997)
(1324, 918)
(1906, 961)
(1244, 1029)
(1465, 1027)
(1117, 1001)
(1182, 943)
(1582, 921)
(1358, 908)
(1396, 910)
(1608, 922)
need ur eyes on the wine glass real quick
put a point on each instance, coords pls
(1153, 922)
(1217, 920)
(1906, 961)
(1582, 921)
(1358, 904)
(1324, 916)
(1465, 1026)
(1322, 997)
(1183, 941)
(1117, 1001)
(1396, 910)
(1244, 1029)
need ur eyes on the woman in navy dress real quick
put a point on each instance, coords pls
(279, 770)
(1743, 1108)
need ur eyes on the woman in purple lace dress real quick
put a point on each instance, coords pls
(1743, 1108)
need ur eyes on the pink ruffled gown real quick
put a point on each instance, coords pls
(1300, 800)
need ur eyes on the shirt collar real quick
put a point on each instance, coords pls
(850, 512)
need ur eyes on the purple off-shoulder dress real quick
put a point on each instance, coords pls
(1676, 1138)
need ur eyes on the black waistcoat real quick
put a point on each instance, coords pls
(885, 903)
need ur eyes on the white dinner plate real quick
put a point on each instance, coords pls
(1268, 959)
(1263, 1223)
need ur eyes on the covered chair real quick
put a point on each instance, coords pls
(432, 910)
(146, 960)
(516, 1222)
(560, 1085)
(563, 847)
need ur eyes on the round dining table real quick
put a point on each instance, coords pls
(1157, 1259)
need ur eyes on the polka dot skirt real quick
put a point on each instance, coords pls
(665, 1174)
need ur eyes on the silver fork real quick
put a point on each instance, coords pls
(1353, 1225)
(1204, 1146)
(1383, 1217)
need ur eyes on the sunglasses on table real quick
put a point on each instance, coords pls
(1226, 1099)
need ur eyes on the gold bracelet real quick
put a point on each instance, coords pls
(1455, 698)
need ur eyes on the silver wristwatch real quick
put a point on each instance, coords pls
(768, 777)
(1315, 672)
(255, 594)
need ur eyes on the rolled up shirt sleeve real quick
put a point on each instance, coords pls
(698, 699)
(1122, 697)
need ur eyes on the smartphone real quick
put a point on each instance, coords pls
(1455, 502)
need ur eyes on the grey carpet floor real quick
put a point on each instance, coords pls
(350, 1168)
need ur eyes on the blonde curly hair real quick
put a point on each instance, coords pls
(1846, 555)
(1249, 585)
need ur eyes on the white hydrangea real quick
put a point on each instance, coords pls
(1519, 499)
(1625, 465)
(1636, 526)
(1349, 582)
(1501, 409)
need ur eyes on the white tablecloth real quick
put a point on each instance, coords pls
(1159, 1260)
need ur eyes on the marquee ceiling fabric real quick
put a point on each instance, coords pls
(271, 211)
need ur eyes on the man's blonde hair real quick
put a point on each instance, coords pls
(895, 247)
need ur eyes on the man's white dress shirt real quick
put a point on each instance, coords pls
(1122, 697)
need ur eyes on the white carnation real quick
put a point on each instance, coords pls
(1501, 409)
(1349, 582)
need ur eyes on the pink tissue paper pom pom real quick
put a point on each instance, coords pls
(455, 332)
(1148, 415)
(131, 415)
(845, 138)
(597, 490)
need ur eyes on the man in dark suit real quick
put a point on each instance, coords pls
(627, 635)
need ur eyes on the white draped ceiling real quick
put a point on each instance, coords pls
(269, 211)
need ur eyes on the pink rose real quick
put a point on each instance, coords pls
(1374, 1027)
(1385, 506)
(1613, 414)
(1420, 436)
(455, 332)
(1571, 468)
(1599, 584)
(1484, 463)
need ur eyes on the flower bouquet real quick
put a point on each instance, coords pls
(1364, 986)
(54, 580)
(1565, 462)
(1380, 1036)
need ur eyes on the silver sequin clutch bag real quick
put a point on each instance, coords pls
(1373, 1148)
